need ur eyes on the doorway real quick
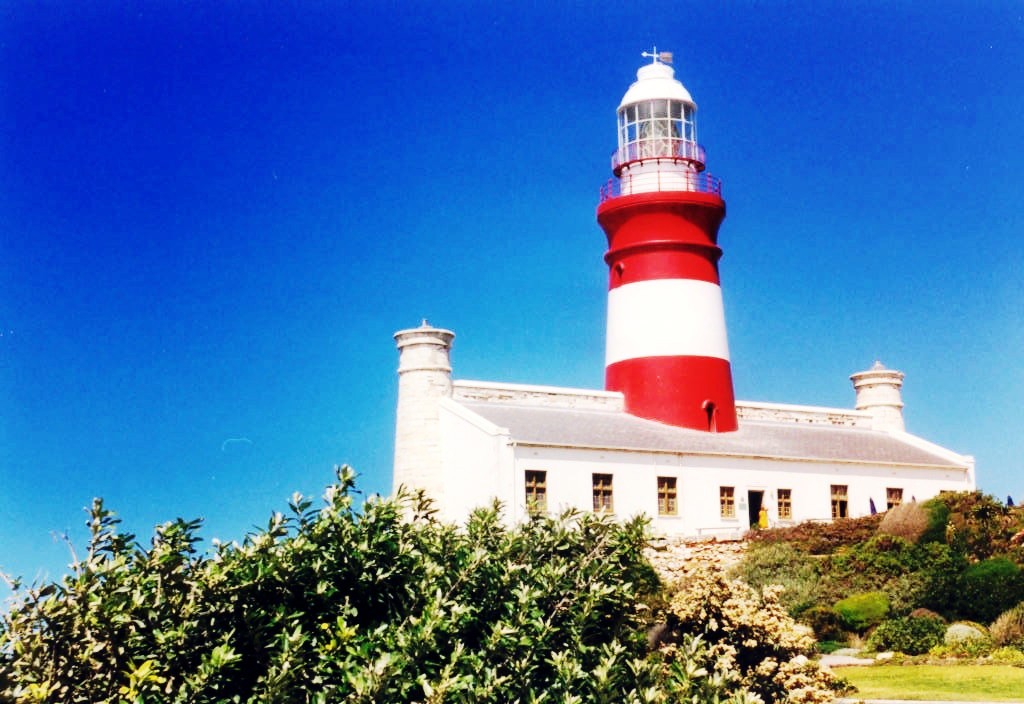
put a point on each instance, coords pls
(755, 499)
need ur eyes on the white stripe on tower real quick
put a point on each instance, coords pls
(666, 318)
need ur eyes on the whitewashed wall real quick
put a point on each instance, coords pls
(569, 484)
(477, 460)
(481, 462)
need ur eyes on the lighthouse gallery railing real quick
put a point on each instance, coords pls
(691, 181)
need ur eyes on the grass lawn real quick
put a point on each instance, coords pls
(996, 683)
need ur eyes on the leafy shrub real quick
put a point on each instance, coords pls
(912, 576)
(781, 564)
(963, 631)
(966, 639)
(824, 622)
(822, 538)
(974, 524)
(830, 646)
(922, 612)
(1008, 628)
(938, 519)
(753, 633)
(939, 578)
(861, 611)
(908, 521)
(1008, 656)
(990, 587)
(383, 604)
(912, 636)
(881, 555)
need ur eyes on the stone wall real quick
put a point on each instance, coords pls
(673, 558)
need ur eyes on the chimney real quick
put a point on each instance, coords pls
(878, 392)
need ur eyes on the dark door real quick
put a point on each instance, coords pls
(754, 502)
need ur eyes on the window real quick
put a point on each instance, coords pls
(657, 128)
(785, 504)
(536, 492)
(893, 498)
(667, 505)
(727, 501)
(840, 501)
(602, 493)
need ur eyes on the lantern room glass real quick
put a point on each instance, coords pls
(656, 128)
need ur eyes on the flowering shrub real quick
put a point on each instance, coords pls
(751, 633)
(975, 524)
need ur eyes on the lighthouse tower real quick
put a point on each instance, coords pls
(666, 342)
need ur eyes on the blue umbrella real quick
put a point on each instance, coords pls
(873, 509)
(1009, 501)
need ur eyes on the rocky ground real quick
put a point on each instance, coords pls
(674, 557)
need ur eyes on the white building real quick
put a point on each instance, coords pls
(666, 437)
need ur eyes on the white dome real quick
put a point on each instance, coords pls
(656, 80)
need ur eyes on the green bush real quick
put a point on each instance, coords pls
(382, 603)
(824, 622)
(1008, 656)
(881, 556)
(939, 578)
(912, 636)
(1008, 628)
(912, 576)
(768, 563)
(990, 587)
(859, 612)
(938, 519)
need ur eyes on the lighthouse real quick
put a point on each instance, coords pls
(666, 345)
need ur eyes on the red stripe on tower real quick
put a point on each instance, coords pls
(667, 350)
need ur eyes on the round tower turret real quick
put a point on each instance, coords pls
(424, 378)
(878, 392)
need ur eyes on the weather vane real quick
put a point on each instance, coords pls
(664, 57)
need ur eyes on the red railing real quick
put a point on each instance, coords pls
(682, 149)
(692, 181)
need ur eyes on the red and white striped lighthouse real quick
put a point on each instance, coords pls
(666, 342)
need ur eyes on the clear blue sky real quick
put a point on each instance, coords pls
(213, 216)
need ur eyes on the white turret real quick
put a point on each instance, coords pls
(424, 378)
(878, 392)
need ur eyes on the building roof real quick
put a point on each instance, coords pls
(617, 430)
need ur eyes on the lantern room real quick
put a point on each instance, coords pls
(657, 119)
